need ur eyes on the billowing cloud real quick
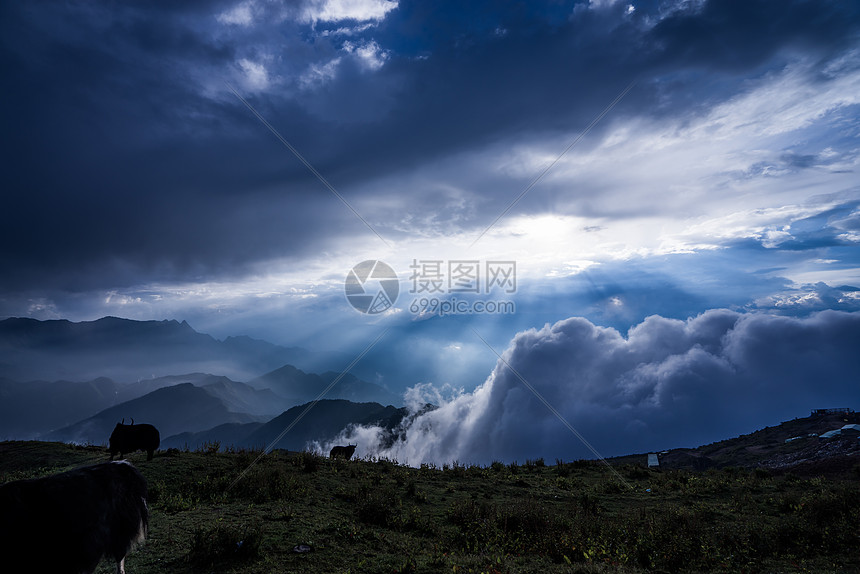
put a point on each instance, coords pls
(811, 298)
(667, 383)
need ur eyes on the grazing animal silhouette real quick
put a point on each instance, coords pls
(129, 438)
(342, 451)
(68, 522)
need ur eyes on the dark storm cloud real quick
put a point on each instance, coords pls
(735, 36)
(118, 167)
(129, 161)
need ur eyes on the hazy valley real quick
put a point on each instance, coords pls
(187, 406)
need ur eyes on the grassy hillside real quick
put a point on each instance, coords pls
(376, 516)
(806, 455)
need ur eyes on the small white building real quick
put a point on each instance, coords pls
(810, 435)
(831, 434)
(652, 460)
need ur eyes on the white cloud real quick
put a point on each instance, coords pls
(670, 186)
(319, 74)
(370, 54)
(809, 297)
(115, 298)
(255, 74)
(338, 10)
(239, 15)
(780, 103)
(347, 30)
(601, 4)
(43, 309)
(770, 225)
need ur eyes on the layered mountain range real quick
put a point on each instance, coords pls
(73, 382)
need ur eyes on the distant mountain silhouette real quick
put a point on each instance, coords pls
(191, 404)
(126, 351)
(301, 387)
(325, 421)
(322, 423)
(172, 410)
(35, 408)
(242, 398)
(226, 435)
(237, 397)
(145, 386)
(130, 371)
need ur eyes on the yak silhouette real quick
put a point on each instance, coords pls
(342, 451)
(67, 522)
(129, 438)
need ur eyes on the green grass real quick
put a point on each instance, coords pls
(378, 516)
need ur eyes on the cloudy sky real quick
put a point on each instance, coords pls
(228, 163)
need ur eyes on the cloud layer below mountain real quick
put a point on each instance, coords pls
(668, 383)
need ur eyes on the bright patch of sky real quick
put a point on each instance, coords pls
(338, 10)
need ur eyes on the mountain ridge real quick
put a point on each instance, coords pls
(790, 446)
(127, 350)
(297, 385)
(172, 409)
(323, 423)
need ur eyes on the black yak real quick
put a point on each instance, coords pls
(66, 523)
(129, 438)
(344, 451)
